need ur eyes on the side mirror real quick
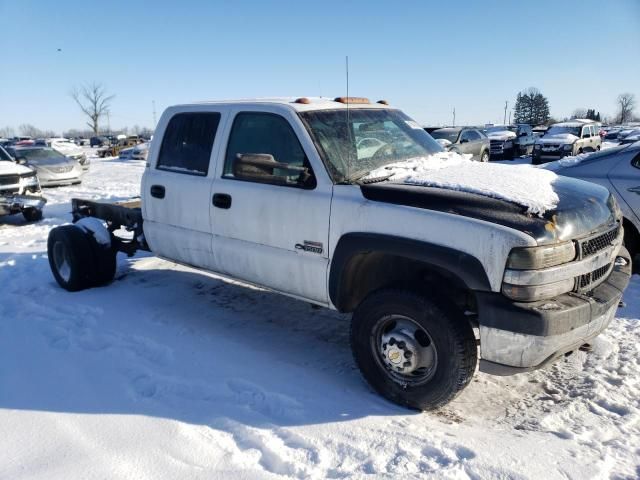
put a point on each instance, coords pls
(464, 140)
(523, 134)
(21, 160)
(261, 167)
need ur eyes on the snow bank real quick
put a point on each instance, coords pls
(571, 161)
(521, 184)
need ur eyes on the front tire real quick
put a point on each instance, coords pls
(484, 157)
(414, 351)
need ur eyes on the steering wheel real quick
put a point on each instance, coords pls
(383, 152)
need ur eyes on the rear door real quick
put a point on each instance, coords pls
(586, 139)
(176, 187)
(272, 201)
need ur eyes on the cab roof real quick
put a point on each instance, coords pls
(299, 104)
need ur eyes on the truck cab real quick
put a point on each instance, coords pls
(423, 246)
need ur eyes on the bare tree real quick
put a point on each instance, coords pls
(94, 103)
(7, 132)
(28, 130)
(626, 104)
(579, 113)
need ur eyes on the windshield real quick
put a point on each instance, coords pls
(446, 134)
(501, 128)
(40, 156)
(558, 130)
(373, 139)
(4, 156)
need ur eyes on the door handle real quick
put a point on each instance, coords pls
(635, 190)
(157, 191)
(222, 200)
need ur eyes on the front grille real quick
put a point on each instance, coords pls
(9, 179)
(589, 279)
(594, 245)
(65, 169)
(496, 146)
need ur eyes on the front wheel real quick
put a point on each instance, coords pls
(412, 350)
(484, 157)
(32, 214)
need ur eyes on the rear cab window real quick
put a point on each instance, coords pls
(187, 143)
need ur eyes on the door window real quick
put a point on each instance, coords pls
(473, 135)
(465, 136)
(187, 143)
(264, 148)
(585, 132)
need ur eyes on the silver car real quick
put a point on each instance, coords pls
(618, 169)
(54, 169)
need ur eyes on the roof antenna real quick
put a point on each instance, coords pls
(348, 121)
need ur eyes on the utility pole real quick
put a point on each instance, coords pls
(509, 118)
(153, 104)
(454, 117)
(506, 105)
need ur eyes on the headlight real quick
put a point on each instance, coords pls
(535, 258)
(30, 179)
(567, 147)
(537, 146)
(532, 293)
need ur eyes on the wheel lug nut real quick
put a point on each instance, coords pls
(406, 364)
(392, 341)
(401, 344)
(408, 354)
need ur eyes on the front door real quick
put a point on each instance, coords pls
(625, 177)
(271, 208)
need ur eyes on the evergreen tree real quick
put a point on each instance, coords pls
(531, 107)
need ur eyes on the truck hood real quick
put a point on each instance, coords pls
(563, 138)
(11, 168)
(502, 135)
(582, 208)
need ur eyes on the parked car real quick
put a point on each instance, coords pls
(71, 150)
(612, 133)
(54, 169)
(299, 210)
(631, 137)
(465, 140)
(566, 139)
(511, 141)
(19, 189)
(99, 141)
(618, 169)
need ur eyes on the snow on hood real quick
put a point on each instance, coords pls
(11, 168)
(521, 184)
(501, 135)
(559, 137)
(443, 142)
(571, 161)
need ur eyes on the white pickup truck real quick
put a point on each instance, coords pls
(438, 270)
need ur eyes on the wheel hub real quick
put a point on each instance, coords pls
(401, 352)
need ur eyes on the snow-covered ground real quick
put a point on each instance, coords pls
(170, 373)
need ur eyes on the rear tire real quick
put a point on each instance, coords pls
(32, 214)
(441, 332)
(70, 258)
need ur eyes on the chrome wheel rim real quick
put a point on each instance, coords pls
(61, 261)
(404, 350)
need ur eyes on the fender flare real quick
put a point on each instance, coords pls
(464, 266)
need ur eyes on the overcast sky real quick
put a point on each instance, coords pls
(424, 57)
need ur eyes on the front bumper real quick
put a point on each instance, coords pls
(10, 204)
(541, 156)
(518, 337)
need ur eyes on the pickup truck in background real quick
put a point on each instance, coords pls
(511, 141)
(283, 194)
(19, 189)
